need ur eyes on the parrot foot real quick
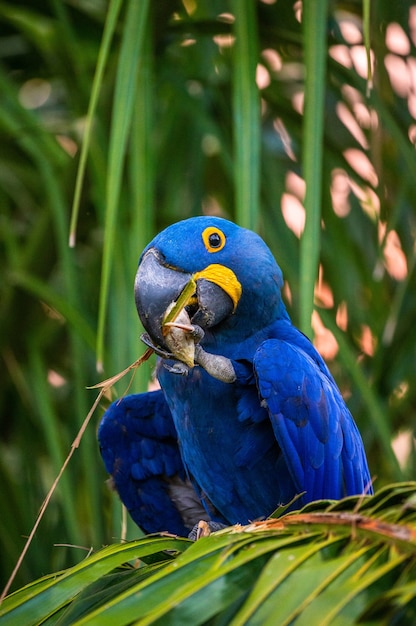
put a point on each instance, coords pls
(216, 365)
(177, 368)
(149, 343)
(193, 330)
(204, 529)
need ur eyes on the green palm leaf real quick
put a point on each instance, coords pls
(345, 562)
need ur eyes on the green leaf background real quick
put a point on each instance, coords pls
(119, 118)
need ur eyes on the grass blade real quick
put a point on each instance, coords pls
(315, 32)
(110, 26)
(123, 107)
(246, 115)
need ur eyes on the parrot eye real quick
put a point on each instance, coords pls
(213, 238)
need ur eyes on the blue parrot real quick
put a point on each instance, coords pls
(248, 415)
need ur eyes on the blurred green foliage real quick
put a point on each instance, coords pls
(176, 125)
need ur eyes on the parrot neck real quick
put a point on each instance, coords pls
(237, 329)
(282, 313)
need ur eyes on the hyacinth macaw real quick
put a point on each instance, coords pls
(248, 415)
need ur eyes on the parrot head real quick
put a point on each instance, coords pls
(230, 277)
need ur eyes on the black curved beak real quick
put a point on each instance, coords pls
(157, 286)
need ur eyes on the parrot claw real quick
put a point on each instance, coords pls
(149, 343)
(204, 529)
(195, 331)
(177, 368)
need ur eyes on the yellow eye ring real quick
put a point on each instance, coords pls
(213, 238)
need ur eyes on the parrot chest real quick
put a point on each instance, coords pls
(233, 461)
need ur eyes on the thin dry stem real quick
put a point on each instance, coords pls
(104, 387)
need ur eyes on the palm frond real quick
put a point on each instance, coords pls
(155, 112)
(350, 561)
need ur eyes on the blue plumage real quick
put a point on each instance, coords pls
(257, 420)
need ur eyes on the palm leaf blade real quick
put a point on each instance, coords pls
(334, 565)
(37, 601)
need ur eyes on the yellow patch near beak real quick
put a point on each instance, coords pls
(224, 278)
(215, 273)
(176, 325)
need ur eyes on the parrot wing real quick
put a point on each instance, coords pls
(313, 427)
(138, 443)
